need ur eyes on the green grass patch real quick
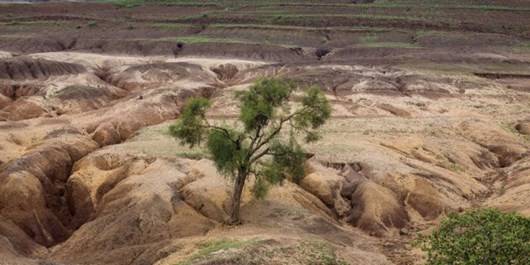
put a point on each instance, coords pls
(208, 249)
(320, 252)
(304, 28)
(522, 47)
(431, 33)
(396, 45)
(256, 251)
(46, 23)
(371, 38)
(286, 15)
(372, 41)
(135, 3)
(422, 4)
(381, 4)
(205, 39)
(192, 154)
(171, 25)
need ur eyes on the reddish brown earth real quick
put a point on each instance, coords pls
(431, 116)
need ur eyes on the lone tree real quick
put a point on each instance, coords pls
(255, 146)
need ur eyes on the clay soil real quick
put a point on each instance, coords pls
(431, 115)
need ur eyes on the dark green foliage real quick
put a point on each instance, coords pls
(225, 152)
(259, 102)
(287, 162)
(318, 109)
(190, 128)
(257, 148)
(480, 237)
(289, 159)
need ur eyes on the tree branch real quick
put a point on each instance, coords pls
(223, 130)
(259, 155)
(277, 130)
(256, 139)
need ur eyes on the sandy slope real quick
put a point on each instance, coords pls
(90, 176)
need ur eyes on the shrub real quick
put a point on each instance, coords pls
(479, 237)
(92, 24)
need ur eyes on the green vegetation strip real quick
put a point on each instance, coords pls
(256, 251)
(135, 3)
(205, 39)
(268, 3)
(208, 249)
(34, 23)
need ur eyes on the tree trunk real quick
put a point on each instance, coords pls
(236, 198)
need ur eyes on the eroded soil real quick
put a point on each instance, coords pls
(431, 115)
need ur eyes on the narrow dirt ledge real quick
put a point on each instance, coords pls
(20, 68)
(493, 75)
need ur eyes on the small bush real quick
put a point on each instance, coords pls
(192, 155)
(479, 237)
(92, 24)
(208, 250)
(321, 52)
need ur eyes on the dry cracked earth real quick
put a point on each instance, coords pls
(431, 115)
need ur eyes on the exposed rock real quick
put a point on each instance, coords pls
(209, 193)
(514, 192)
(504, 145)
(78, 98)
(394, 110)
(225, 72)
(32, 190)
(425, 199)
(19, 68)
(92, 178)
(141, 211)
(376, 209)
(17, 90)
(4, 101)
(23, 109)
(162, 75)
(119, 122)
(326, 184)
(523, 127)
(398, 167)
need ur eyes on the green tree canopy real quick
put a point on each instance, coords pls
(254, 147)
(479, 237)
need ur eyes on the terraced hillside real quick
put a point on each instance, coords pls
(431, 115)
(382, 31)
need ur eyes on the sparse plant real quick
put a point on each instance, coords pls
(92, 24)
(192, 155)
(207, 249)
(479, 237)
(320, 252)
(255, 147)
